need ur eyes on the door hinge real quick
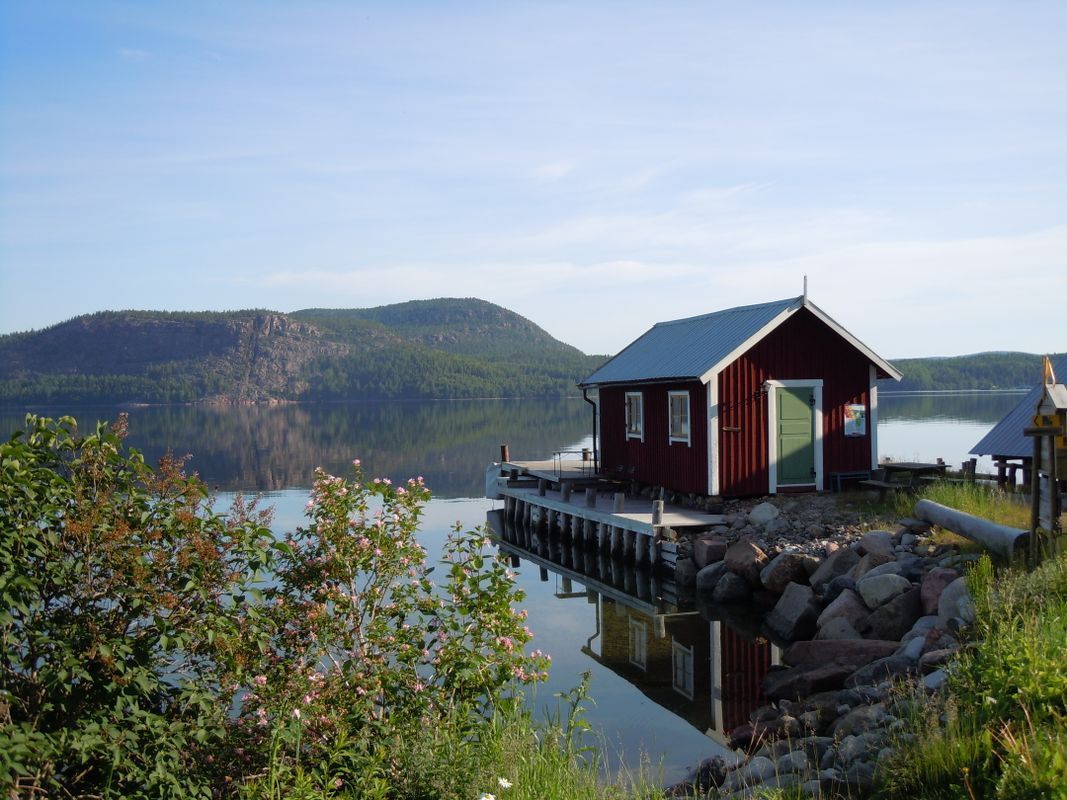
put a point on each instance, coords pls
(811, 400)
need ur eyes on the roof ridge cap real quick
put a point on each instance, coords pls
(784, 302)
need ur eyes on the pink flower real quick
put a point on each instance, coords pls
(261, 680)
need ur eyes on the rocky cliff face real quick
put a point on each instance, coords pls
(249, 356)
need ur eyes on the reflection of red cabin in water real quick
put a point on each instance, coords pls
(703, 671)
(746, 401)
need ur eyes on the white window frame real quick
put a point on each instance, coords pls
(671, 434)
(638, 643)
(682, 679)
(635, 431)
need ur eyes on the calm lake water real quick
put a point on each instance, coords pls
(667, 677)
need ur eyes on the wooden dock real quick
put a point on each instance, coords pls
(567, 499)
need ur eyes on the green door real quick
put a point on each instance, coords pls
(796, 435)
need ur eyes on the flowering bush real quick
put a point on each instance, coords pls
(365, 649)
(118, 588)
(152, 647)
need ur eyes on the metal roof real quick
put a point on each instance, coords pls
(692, 348)
(1006, 437)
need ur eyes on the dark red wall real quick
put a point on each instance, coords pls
(657, 461)
(801, 347)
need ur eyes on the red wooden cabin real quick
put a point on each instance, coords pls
(748, 401)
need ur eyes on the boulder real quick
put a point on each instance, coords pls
(878, 590)
(709, 550)
(834, 588)
(880, 670)
(762, 514)
(933, 584)
(932, 659)
(798, 682)
(875, 543)
(793, 616)
(785, 568)
(744, 558)
(837, 563)
(847, 606)
(859, 720)
(838, 628)
(955, 601)
(855, 652)
(731, 588)
(896, 617)
(709, 576)
(869, 562)
(757, 770)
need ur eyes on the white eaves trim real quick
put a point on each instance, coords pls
(802, 302)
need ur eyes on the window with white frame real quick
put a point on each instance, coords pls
(682, 663)
(678, 403)
(635, 416)
(638, 643)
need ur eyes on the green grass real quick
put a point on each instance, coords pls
(1000, 730)
(509, 756)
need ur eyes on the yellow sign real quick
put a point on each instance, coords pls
(1047, 421)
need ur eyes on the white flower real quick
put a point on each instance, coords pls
(504, 783)
(487, 796)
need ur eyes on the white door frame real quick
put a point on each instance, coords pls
(772, 429)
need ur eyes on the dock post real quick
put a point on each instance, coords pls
(542, 487)
(590, 497)
(618, 548)
(641, 547)
(565, 490)
(620, 502)
(505, 453)
(657, 512)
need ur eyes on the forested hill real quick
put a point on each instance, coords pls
(979, 371)
(446, 348)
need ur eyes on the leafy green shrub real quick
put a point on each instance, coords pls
(118, 587)
(155, 648)
(367, 655)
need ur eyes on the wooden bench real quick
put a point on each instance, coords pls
(878, 481)
(883, 487)
(857, 475)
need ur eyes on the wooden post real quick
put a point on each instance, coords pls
(542, 487)
(565, 490)
(657, 512)
(590, 497)
(505, 453)
(620, 502)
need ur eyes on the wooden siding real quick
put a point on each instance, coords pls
(657, 461)
(800, 348)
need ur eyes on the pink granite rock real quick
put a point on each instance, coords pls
(744, 558)
(934, 582)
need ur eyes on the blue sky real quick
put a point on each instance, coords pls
(594, 166)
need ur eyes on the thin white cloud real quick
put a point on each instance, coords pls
(133, 54)
(552, 171)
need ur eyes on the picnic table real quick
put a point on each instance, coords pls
(913, 470)
(893, 476)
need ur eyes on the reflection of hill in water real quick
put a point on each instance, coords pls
(264, 448)
(984, 407)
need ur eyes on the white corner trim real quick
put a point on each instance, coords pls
(872, 417)
(712, 392)
(816, 385)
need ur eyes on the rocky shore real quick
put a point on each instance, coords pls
(858, 613)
